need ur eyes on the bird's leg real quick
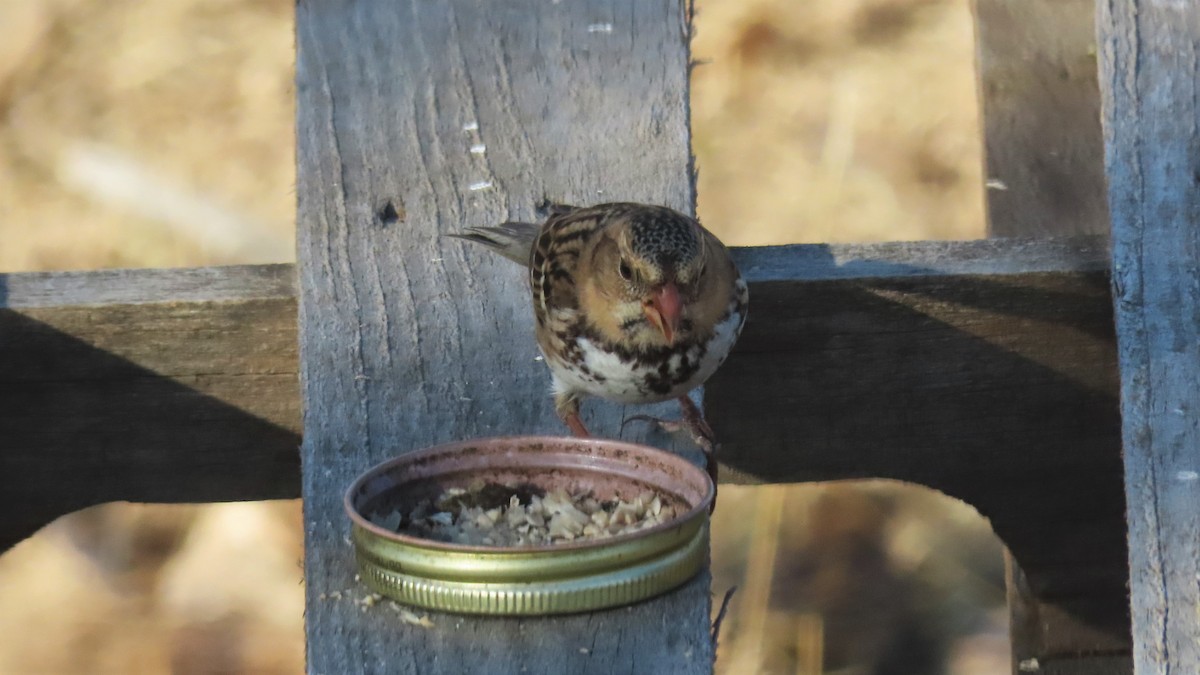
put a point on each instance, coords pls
(567, 407)
(576, 425)
(702, 435)
(693, 421)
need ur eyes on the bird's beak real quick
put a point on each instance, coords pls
(662, 308)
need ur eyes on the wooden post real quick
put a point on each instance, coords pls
(1150, 82)
(417, 119)
(1044, 158)
(1041, 117)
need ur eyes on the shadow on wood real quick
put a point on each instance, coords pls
(984, 369)
(997, 390)
(82, 425)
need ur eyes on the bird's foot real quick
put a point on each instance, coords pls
(700, 433)
(668, 426)
(692, 421)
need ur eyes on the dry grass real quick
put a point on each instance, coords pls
(842, 120)
(160, 134)
(109, 105)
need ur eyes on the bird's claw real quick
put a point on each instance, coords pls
(700, 434)
(699, 431)
(669, 426)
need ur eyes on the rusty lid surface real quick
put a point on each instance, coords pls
(549, 579)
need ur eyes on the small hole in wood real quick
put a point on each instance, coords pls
(389, 213)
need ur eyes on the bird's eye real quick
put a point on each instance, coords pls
(624, 271)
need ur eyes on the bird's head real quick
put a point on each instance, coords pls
(651, 266)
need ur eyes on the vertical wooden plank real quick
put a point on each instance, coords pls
(420, 118)
(1044, 151)
(1150, 75)
(1041, 117)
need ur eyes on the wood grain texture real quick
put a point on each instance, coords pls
(409, 339)
(1041, 117)
(951, 371)
(145, 385)
(985, 323)
(1150, 51)
(1040, 103)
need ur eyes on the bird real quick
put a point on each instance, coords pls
(634, 303)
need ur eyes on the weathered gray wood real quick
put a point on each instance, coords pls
(1041, 117)
(838, 287)
(1150, 51)
(1040, 105)
(182, 285)
(949, 371)
(409, 339)
(986, 332)
(145, 385)
(922, 261)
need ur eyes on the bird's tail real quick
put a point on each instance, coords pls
(512, 240)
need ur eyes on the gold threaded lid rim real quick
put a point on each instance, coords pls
(612, 587)
(577, 576)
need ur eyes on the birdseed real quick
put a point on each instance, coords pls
(497, 515)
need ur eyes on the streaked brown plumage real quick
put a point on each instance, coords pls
(634, 303)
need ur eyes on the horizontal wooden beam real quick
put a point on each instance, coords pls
(145, 385)
(984, 369)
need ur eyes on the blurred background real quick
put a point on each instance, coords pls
(148, 134)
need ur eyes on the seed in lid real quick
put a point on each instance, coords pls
(490, 514)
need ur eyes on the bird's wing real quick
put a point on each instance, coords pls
(556, 253)
(512, 240)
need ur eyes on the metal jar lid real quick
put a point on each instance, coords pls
(550, 579)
